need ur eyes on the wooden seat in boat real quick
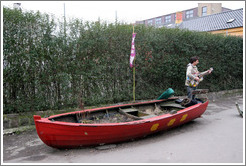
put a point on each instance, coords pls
(148, 116)
(126, 110)
(171, 105)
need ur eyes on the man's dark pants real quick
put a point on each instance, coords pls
(189, 92)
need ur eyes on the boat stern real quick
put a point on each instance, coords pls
(36, 117)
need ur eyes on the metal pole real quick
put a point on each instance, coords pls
(134, 81)
(64, 20)
(116, 19)
(134, 72)
(64, 15)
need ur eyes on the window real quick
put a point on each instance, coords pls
(168, 19)
(150, 22)
(189, 14)
(204, 11)
(158, 21)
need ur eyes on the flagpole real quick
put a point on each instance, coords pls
(133, 75)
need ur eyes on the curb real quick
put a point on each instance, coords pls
(18, 130)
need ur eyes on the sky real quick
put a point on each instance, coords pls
(124, 11)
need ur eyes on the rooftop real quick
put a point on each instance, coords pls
(225, 20)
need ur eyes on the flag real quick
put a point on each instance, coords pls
(133, 52)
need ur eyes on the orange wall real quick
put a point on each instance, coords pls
(233, 31)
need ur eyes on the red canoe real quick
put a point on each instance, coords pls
(100, 125)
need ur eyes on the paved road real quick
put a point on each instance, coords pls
(216, 137)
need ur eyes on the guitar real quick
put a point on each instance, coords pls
(194, 82)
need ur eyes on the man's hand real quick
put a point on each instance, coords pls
(210, 70)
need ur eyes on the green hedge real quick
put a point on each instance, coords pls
(52, 65)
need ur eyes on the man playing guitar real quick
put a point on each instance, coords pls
(193, 76)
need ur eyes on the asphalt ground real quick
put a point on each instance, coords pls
(217, 137)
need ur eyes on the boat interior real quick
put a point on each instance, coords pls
(127, 113)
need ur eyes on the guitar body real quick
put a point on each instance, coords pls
(195, 83)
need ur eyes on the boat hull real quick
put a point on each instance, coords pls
(70, 135)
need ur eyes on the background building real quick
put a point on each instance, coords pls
(207, 17)
(227, 23)
(203, 9)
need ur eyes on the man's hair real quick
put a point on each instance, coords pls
(193, 59)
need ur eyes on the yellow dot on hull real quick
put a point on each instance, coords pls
(183, 117)
(170, 123)
(154, 127)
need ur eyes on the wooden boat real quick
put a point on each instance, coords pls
(115, 123)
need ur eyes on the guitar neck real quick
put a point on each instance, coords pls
(205, 72)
